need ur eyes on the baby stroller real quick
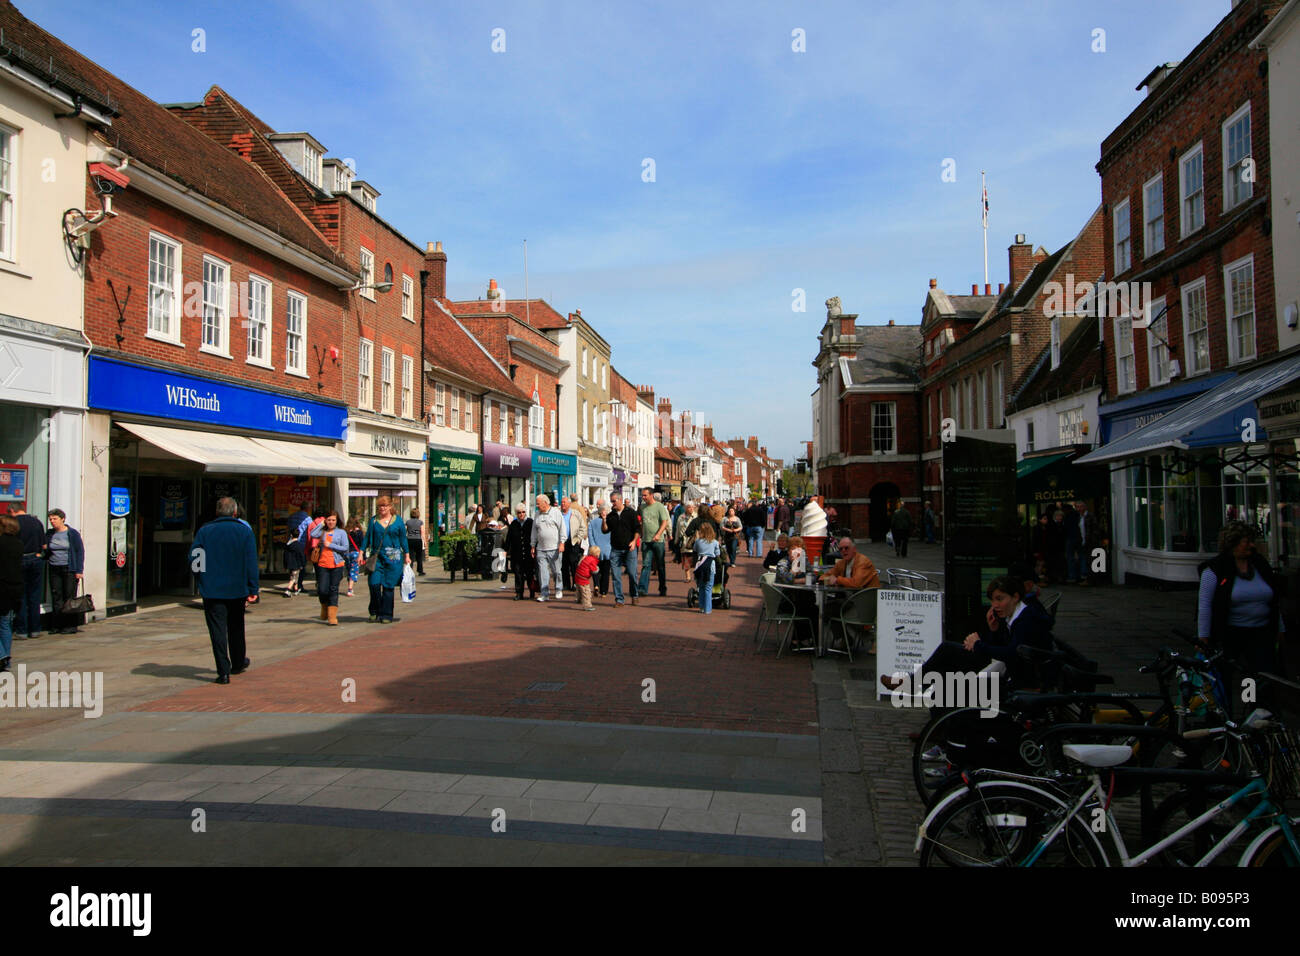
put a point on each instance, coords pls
(721, 593)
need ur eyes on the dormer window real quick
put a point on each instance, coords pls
(304, 153)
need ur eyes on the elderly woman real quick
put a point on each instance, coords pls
(1238, 606)
(779, 550)
(66, 556)
(598, 537)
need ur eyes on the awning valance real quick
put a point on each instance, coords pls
(323, 460)
(1211, 419)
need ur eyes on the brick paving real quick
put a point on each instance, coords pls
(497, 657)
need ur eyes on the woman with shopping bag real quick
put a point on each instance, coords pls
(386, 558)
(66, 557)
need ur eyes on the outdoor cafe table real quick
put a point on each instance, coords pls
(819, 592)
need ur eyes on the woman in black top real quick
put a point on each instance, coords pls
(779, 550)
(519, 534)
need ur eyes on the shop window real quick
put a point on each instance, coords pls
(24, 440)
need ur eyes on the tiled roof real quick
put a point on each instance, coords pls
(535, 312)
(462, 354)
(667, 453)
(151, 135)
(887, 355)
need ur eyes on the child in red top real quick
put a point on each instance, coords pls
(582, 576)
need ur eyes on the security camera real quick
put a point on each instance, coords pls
(106, 180)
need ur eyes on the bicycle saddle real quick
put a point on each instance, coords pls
(1098, 755)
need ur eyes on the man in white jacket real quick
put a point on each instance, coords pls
(548, 548)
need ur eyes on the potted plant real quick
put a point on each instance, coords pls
(459, 552)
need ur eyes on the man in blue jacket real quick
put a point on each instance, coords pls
(224, 559)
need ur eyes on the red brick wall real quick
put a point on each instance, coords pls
(381, 320)
(120, 252)
(1179, 113)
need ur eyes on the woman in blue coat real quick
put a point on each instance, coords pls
(386, 540)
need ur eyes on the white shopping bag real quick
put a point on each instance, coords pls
(889, 538)
(408, 585)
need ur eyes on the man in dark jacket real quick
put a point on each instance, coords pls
(624, 530)
(519, 536)
(901, 525)
(755, 522)
(224, 559)
(1080, 538)
(32, 534)
(783, 517)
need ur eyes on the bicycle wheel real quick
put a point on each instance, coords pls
(1271, 849)
(1181, 809)
(1000, 823)
(962, 739)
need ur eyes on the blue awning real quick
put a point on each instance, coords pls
(1211, 419)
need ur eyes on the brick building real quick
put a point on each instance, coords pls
(381, 343)
(867, 439)
(522, 439)
(1186, 181)
(208, 299)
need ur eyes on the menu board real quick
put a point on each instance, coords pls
(982, 536)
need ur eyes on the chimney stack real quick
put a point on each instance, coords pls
(934, 283)
(435, 263)
(988, 288)
(1020, 258)
(974, 288)
(891, 322)
(752, 443)
(1001, 287)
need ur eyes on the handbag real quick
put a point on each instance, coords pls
(372, 562)
(314, 557)
(78, 603)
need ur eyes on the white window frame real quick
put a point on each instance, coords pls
(408, 298)
(584, 363)
(503, 414)
(217, 303)
(295, 302)
(1069, 425)
(455, 408)
(408, 385)
(367, 259)
(520, 434)
(1247, 188)
(8, 193)
(258, 320)
(311, 163)
(1121, 219)
(172, 334)
(1125, 383)
(386, 363)
(1157, 351)
(554, 424)
(366, 374)
(1190, 333)
(1236, 353)
(1185, 226)
(1055, 334)
(439, 404)
(585, 418)
(1153, 240)
(536, 426)
(469, 412)
(878, 428)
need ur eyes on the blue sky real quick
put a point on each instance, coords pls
(774, 170)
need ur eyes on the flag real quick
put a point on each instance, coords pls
(986, 207)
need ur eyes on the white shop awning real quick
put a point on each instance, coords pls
(216, 452)
(220, 453)
(322, 460)
(398, 476)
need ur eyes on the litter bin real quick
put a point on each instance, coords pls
(488, 541)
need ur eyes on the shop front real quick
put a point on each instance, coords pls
(42, 420)
(454, 478)
(1176, 479)
(594, 481)
(506, 472)
(168, 445)
(555, 473)
(394, 449)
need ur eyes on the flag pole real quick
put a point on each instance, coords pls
(528, 305)
(984, 212)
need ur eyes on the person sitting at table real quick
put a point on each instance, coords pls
(779, 550)
(1012, 622)
(853, 571)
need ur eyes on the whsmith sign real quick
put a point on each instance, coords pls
(137, 390)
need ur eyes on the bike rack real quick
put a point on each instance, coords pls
(905, 580)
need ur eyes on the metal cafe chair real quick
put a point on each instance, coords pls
(857, 613)
(779, 609)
